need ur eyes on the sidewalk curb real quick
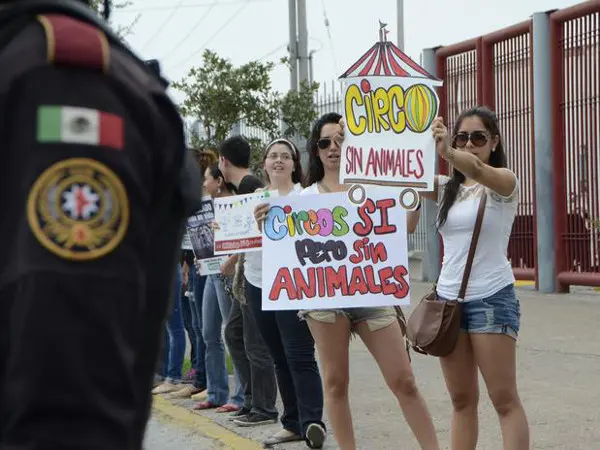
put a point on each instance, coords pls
(204, 425)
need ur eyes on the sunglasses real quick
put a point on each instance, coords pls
(325, 143)
(477, 138)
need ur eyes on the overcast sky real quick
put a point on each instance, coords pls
(177, 31)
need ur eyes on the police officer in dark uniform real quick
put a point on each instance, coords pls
(94, 189)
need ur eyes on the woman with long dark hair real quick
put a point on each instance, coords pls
(378, 327)
(288, 339)
(490, 313)
(216, 307)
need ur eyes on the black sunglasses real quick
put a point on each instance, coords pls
(324, 143)
(477, 138)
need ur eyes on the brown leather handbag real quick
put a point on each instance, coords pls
(434, 325)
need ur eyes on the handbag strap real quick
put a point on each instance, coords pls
(474, 240)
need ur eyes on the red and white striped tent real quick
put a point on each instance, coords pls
(384, 59)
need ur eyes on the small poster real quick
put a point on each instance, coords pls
(238, 231)
(201, 238)
(389, 105)
(323, 251)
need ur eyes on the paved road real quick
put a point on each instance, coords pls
(165, 434)
(559, 367)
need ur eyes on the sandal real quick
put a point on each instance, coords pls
(228, 408)
(204, 405)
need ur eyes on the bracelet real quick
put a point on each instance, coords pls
(418, 206)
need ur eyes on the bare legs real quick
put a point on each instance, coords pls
(495, 356)
(387, 347)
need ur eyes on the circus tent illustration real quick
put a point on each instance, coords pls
(384, 59)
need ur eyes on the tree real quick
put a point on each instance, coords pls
(122, 30)
(219, 95)
(298, 110)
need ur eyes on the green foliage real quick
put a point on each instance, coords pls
(257, 145)
(298, 110)
(219, 95)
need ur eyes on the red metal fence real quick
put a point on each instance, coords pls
(576, 126)
(496, 70)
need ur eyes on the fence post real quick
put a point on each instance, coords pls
(431, 264)
(542, 128)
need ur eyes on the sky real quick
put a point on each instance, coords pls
(176, 32)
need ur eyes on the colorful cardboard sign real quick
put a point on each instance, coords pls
(389, 105)
(323, 251)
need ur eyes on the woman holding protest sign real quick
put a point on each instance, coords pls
(490, 311)
(216, 306)
(288, 339)
(379, 328)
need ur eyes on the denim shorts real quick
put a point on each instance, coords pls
(376, 317)
(500, 313)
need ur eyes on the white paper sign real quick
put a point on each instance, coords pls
(238, 231)
(389, 105)
(322, 251)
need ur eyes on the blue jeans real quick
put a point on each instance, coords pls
(197, 282)
(175, 350)
(186, 310)
(216, 306)
(293, 350)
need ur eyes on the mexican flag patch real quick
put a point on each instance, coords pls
(75, 125)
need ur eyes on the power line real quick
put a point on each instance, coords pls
(235, 14)
(329, 35)
(163, 25)
(275, 50)
(187, 6)
(196, 25)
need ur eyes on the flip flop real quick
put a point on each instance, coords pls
(204, 405)
(228, 408)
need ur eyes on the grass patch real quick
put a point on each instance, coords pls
(187, 365)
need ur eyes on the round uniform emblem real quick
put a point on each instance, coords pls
(78, 209)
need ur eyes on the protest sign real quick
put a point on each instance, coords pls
(200, 236)
(238, 232)
(389, 103)
(323, 251)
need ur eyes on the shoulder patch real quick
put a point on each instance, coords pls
(78, 209)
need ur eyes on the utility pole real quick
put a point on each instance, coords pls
(544, 179)
(302, 42)
(432, 257)
(401, 24)
(293, 47)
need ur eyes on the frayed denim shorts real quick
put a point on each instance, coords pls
(500, 313)
(375, 317)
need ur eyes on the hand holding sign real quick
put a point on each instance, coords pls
(260, 212)
(443, 145)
